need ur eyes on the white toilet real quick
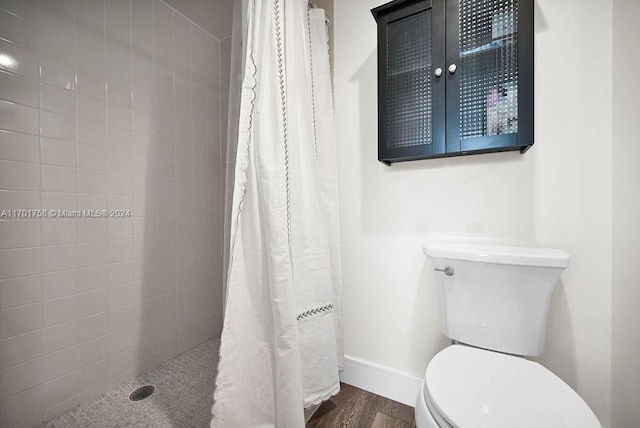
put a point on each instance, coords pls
(494, 303)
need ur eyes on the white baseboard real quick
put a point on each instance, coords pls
(390, 383)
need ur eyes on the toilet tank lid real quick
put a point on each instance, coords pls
(498, 254)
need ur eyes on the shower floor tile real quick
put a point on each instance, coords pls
(182, 398)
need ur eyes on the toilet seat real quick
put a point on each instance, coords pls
(470, 387)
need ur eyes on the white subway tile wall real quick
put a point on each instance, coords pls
(105, 105)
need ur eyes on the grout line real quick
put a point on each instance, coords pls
(189, 19)
(133, 178)
(18, 16)
(21, 46)
(155, 167)
(77, 174)
(106, 170)
(39, 59)
(175, 178)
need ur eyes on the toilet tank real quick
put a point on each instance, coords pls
(496, 297)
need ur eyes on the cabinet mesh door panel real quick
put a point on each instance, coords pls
(409, 118)
(488, 67)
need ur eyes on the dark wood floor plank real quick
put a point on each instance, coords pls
(367, 405)
(330, 412)
(352, 408)
(385, 421)
(396, 410)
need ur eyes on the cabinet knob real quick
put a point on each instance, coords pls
(452, 68)
(437, 72)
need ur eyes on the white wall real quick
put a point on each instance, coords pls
(558, 194)
(626, 215)
(112, 105)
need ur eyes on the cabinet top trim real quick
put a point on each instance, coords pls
(391, 6)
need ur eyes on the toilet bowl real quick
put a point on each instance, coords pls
(494, 302)
(471, 387)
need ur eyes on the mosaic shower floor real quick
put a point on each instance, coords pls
(183, 396)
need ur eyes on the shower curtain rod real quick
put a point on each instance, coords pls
(312, 5)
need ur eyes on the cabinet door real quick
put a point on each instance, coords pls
(411, 115)
(489, 75)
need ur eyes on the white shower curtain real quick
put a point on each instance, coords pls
(281, 346)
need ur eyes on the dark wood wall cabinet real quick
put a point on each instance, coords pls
(455, 77)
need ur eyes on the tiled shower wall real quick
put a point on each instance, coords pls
(104, 105)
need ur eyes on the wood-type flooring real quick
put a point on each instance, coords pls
(355, 408)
